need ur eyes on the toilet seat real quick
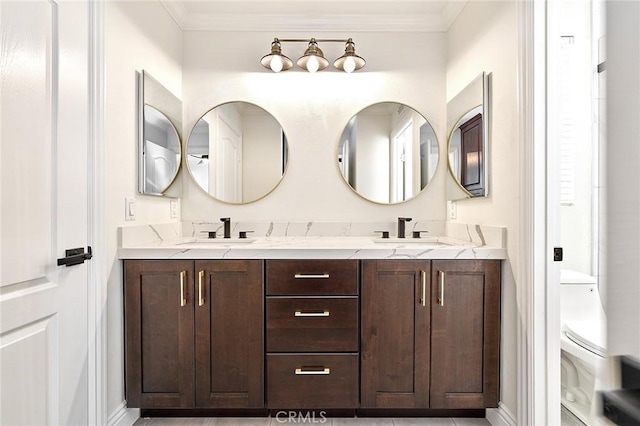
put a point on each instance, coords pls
(588, 334)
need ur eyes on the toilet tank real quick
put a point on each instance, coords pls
(579, 297)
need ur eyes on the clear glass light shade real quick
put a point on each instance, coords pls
(276, 63)
(349, 63)
(313, 64)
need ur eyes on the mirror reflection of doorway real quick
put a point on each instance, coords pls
(229, 162)
(402, 164)
(161, 164)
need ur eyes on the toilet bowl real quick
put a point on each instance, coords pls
(583, 345)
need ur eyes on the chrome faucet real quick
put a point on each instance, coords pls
(401, 223)
(227, 226)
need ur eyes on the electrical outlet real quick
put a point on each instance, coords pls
(129, 209)
(453, 210)
(173, 208)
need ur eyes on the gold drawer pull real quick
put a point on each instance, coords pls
(324, 313)
(313, 370)
(183, 299)
(312, 276)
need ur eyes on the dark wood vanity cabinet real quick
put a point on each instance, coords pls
(430, 334)
(194, 333)
(318, 334)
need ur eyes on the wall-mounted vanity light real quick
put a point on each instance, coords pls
(313, 59)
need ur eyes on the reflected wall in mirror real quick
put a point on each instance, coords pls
(159, 147)
(468, 126)
(388, 153)
(237, 152)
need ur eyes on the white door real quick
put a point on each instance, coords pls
(402, 164)
(161, 165)
(43, 196)
(229, 163)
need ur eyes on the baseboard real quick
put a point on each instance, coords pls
(501, 416)
(123, 416)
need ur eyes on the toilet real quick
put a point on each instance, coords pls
(583, 345)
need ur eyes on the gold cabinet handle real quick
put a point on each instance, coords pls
(200, 293)
(307, 276)
(423, 277)
(313, 371)
(441, 298)
(183, 298)
(324, 313)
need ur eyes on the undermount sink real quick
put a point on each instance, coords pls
(217, 241)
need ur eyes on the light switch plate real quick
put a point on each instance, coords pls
(173, 208)
(129, 209)
(453, 210)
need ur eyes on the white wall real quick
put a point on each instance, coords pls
(313, 109)
(138, 35)
(484, 37)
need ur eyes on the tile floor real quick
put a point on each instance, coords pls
(363, 421)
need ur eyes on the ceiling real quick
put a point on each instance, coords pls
(316, 16)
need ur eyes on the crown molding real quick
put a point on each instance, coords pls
(318, 23)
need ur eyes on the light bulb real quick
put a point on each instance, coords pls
(313, 64)
(349, 64)
(276, 63)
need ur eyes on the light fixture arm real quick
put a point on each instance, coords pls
(309, 40)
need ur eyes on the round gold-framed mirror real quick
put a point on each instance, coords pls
(237, 152)
(388, 153)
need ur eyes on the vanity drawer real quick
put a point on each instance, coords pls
(318, 324)
(312, 277)
(312, 381)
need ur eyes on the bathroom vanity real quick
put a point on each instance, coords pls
(302, 325)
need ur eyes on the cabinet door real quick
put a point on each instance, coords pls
(465, 334)
(159, 333)
(229, 334)
(395, 334)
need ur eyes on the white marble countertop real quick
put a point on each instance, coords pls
(167, 244)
